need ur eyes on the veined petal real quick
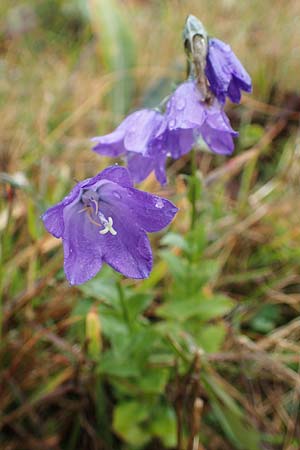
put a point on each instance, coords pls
(153, 213)
(218, 120)
(160, 168)
(147, 211)
(82, 246)
(180, 141)
(53, 217)
(144, 127)
(110, 144)
(139, 166)
(185, 109)
(217, 70)
(117, 174)
(239, 72)
(132, 135)
(234, 92)
(218, 141)
(104, 219)
(225, 72)
(129, 251)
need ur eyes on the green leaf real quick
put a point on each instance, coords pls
(163, 425)
(204, 308)
(177, 266)
(102, 287)
(136, 304)
(119, 365)
(153, 381)
(250, 134)
(128, 422)
(174, 240)
(210, 337)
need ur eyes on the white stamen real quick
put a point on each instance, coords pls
(108, 227)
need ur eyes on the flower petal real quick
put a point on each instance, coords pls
(225, 72)
(129, 251)
(82, 246)
(53, 217)
(112, 144)
(139, 134)
(152, 213)
(185, 108)
(147, 211)
(116, 174)
(234, 92)
(217, 140)
(160, 168)
(139, 166)
(217, 69)
(180, 141)
(218, 120)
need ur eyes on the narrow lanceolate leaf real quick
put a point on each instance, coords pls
(117, 49)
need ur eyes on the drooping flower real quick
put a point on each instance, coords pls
(105, 219)
(225, 73)
(134, 136)
(188, 117)
(147, 137)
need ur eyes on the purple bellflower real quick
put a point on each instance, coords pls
(135, 138)
(147, 137)
(188, 117)
(105, 219)
(225, 73)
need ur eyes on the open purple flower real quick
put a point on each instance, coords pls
(105, 219)
(225, 73)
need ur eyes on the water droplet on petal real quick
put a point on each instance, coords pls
(117, 195)
(172, 124)
(181, 104)
(159, 203)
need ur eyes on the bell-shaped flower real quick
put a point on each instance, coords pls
(188, 117)
(147, 137)
(105, 219)
(135, 138)
(225, 73)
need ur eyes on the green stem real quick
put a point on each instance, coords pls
(123, 304)
(193, 189)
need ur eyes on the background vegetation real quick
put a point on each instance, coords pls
(205, 353)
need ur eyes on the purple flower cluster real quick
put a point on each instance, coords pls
(147, 137)
(104, 218)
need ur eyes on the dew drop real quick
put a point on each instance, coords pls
(181, 104)
(116, 195)
(159, 203)
(172, 124)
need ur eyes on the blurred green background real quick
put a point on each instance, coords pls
(204, 355)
